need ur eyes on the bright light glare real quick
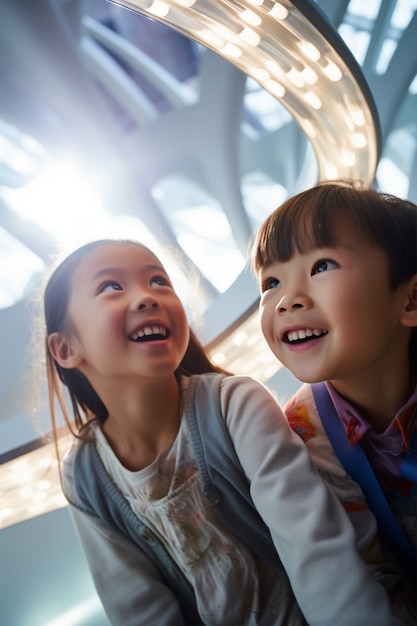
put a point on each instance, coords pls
(61, 201)
(64, 203)
(160, 9)
(216, 225)
(392, 179)
(19, 152)
(220, 272)
(19, 270)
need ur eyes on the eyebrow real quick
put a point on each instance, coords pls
(118, 270)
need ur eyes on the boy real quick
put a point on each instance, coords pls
(337, 268)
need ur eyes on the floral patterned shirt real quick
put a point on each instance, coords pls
(385, 452)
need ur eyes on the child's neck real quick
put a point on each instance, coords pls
(143, 422)
(378, 400)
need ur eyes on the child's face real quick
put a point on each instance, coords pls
(125, 318)
(329, 314)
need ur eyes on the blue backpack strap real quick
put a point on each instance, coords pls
(408, 468)
(357, 465)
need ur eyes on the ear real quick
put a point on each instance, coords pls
(409, 316)
(63, 351)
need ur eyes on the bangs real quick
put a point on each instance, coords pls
(319, 217)
(299, 225)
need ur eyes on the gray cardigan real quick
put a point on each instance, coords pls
(243, 447)
(222, 480)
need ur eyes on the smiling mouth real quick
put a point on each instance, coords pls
(303, 335)
(153, 332)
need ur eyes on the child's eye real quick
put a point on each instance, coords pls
(270, 283)
(110, 285)
(324, 265)
(160, 281)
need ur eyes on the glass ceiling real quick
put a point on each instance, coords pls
(51, 202)
(57, 197)
(47, 195)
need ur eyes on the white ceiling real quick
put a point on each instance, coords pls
(43, 577)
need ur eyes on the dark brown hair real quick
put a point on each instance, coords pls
(311, 218)
(86, 404)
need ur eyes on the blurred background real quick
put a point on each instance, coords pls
(116, 125)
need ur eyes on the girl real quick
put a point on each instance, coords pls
(337, 270)
(187, 488)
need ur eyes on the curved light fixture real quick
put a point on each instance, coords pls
(293, 52)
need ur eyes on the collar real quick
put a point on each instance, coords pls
(394, 438)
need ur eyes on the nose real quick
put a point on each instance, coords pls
(291, 302)
(145, 302)
(145, 305)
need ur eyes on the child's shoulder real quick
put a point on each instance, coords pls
(86, 436)
(225, 384)
(303, 417)
(302, 414)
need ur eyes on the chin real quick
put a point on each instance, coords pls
(308, 378)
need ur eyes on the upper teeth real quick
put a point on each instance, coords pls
(302, 334)
(149, 330)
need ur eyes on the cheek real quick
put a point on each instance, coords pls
(334, 295)
(266, 319)
(182, 326)
(186, 335)
(352, 313)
